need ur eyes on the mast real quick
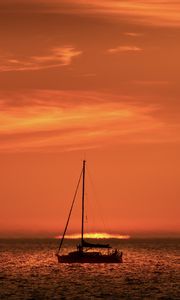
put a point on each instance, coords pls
(83, 190)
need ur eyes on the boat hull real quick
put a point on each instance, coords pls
(92, 259)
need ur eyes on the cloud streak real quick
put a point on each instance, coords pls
(124, 49)
(63, 121)
(57, 57)
(150, 12)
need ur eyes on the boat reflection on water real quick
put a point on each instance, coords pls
(85, 251)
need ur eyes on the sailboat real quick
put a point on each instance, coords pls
(85, 251)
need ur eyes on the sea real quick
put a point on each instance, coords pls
(29, 270)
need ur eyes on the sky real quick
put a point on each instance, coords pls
(95, 80)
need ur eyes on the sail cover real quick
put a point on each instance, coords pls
(91, 245)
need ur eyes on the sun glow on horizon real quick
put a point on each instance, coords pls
(95, 235)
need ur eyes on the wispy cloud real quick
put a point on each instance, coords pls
(133, 34)
(125, 49)
(150, 12)
(63, 121)
(57, 57)
(151, 82)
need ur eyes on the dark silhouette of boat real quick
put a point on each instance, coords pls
(85, 251)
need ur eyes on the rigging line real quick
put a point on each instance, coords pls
(97, 202)
(93, 214)
(70, 212)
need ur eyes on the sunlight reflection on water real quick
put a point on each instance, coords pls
(29, 270)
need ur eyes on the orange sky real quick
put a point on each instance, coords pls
(95, 79)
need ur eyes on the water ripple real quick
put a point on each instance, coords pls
(29, 270)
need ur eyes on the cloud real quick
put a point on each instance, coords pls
(149, 12)
(125, 49)
(57, 57)
(133, 34)
(63, 121)
(151, 82)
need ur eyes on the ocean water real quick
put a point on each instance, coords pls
(29, 270)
